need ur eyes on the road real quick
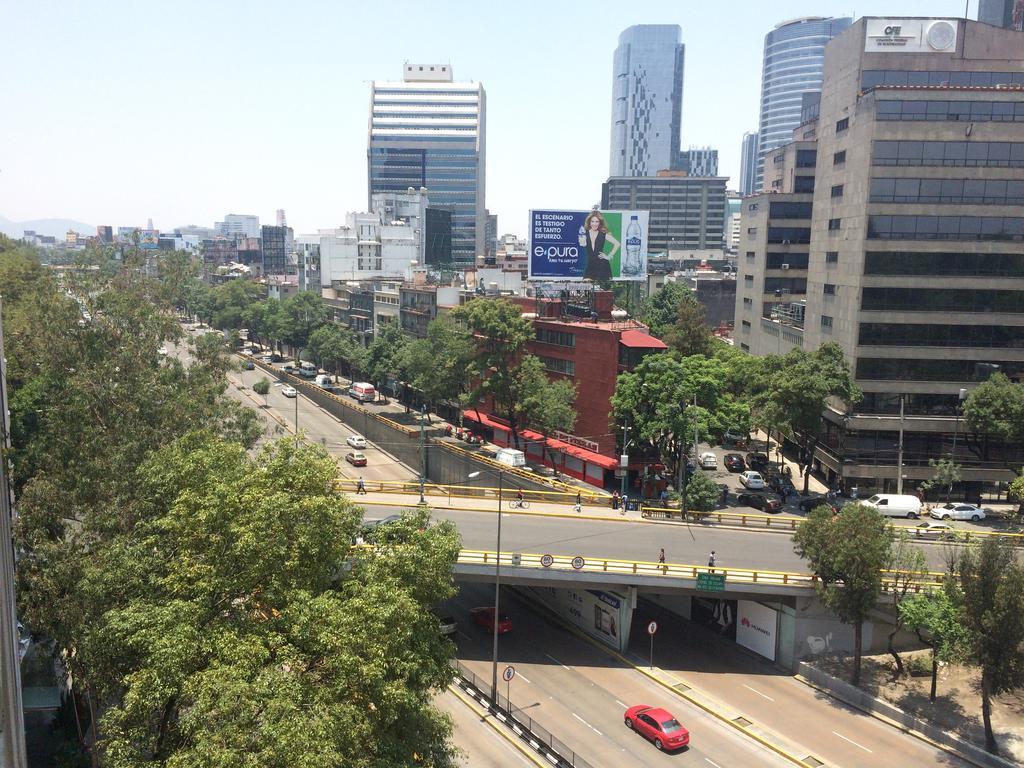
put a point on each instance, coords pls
(481, 746)
(579, 693)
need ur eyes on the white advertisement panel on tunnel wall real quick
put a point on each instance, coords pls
(756, 627)
(605, 616)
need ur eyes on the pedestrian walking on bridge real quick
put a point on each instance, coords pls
(711, 561)
(661, 557)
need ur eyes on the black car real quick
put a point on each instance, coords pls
(778, 482)
(815, 500)
(734, 462)
(760, 501)
(757, 460)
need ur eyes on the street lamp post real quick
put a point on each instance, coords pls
(497, 594)
(625, 469)
(423, 452)
(296, 414)
(682, 458)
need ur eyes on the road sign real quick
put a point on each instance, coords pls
(652, 628)
(711, 582)
(546, 560)
(509, 673)
(578, 562)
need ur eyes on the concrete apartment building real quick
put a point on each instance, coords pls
(916, 249)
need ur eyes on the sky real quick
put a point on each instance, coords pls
(116, 111)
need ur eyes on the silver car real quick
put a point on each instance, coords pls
(959, 512)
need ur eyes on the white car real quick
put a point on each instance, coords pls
(752, 480)
(959, 512)
(289, 392)
(930, 530)
(163, 351)
(708, 460)
(356, 441)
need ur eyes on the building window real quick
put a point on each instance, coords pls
(745, 347)
(806, 158)
(752, 207)
(803, 184)
(748, 303)
(746, 326)
(750, 255)
(751, 230)
(953, 111)
(837, 191)
(826, 321)
(965, 191)
(789, 211)
(559, 338)
(831, 257)
(557, 365)
(943, 263)
(994, 228)
(842, 125)
(834, 225)
(950, 154)
(839, 158)
(829, 289)
(942, 300)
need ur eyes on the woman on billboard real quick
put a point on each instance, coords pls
(593, 237)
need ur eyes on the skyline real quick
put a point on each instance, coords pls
(198, 111)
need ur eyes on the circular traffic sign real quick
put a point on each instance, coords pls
(652, 628)
(578, 562)
(546, 560)
(509, 673)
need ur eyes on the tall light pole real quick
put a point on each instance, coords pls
(625, 455)
(423, 453)
(899, 454)
(497, 594)
(296, 414)
(683, 406)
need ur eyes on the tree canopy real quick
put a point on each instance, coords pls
(994, 410)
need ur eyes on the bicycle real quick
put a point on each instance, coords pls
(519, 504)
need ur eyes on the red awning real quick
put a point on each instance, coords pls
(641, 340)
(605, 462)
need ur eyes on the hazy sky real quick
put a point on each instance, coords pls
(119, 110)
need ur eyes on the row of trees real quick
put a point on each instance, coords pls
(975, 616)
(203, 599)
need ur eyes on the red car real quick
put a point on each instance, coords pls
(485, 618)
(356, 459)
(657, 725)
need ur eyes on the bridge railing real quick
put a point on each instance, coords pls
(686, 572)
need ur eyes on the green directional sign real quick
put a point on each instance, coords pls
(711, 582)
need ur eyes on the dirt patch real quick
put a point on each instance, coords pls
(957, 705)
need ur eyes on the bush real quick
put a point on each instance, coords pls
(920, 665)
(702, 494)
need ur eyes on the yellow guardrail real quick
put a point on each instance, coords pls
(579, 564)
(468, 492)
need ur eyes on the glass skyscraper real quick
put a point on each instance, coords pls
(794, 55)
(647, 100)
(428, 131)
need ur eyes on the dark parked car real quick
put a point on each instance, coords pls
(760, 501)
(757, 460)
(778, 482)
(734, 462)
(815, 500)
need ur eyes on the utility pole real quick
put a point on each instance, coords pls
(625, 453)
(899, 454)
(12, 714)
(423, 452)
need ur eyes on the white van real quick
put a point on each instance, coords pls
(511, 457)
(893, 505)
(307, 370)
(322, 380)
(362, 391)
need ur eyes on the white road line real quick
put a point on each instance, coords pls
(597, 732)
(758, 692)
(712, 762)
(556, 661)
(851, 741)
(582, 720)
(621, 704)
(524, 677)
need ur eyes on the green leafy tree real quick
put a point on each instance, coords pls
(230, 301)
(178, 277)
(298, 316)
(386, 355)
(689, 335)
(331, 345)
(935, 619)
(1016, 491)
(660, 311)
(500, 333)
(945, 475)
(544, 405)
(797, 392)
(907, 565)
(847, 553)
(990, 578)
(241, 629)
(262, 388)
(438, 365)
(994, 415)
(702, 494)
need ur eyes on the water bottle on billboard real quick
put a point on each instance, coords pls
(583, 237)
(634, 240)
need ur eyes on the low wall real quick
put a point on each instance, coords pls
(862, 700)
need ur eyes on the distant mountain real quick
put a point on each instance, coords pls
(55, 227)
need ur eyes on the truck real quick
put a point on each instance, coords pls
(511, 457)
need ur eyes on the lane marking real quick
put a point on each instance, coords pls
(521, 676)
(852, 742)
(621, 704)
(762, 695)
(582, 720)
(557, 661)
(712, 762)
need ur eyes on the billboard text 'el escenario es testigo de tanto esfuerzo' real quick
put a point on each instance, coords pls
(588, 245)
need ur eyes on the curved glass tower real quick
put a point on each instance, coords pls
(647, 100)
(794, 55)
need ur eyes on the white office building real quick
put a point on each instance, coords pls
(238, 225)
(368, 245)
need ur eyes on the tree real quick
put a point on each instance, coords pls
(1016, 491)
(242, 630)
(702, 494)
(934, 617)
(330, 345)
(299, 315)
(660, 310)
(500, 334)
(438, 365)
(994, 412)
(907, 564)
(946, 474)
(385, 355)
(847, 553)
(540, 403)
(991, 598)
(689, 335)
(230, 301)
(797, 392)
(262, 387)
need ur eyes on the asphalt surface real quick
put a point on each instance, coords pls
(580, 694)
(481, 746)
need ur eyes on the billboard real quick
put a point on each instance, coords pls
(755, 627)
(910, 35)
(591, 245)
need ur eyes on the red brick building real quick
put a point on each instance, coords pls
(589, 346)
